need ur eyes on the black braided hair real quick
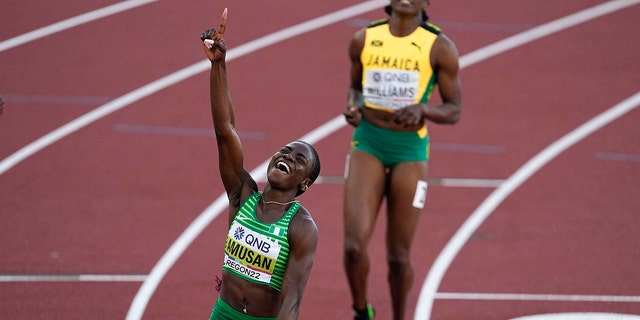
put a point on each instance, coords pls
(425, 17)
(315, 172)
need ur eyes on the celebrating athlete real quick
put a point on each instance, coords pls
(272, 239)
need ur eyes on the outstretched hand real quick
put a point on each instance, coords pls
(213, 40)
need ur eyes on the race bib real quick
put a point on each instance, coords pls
(250, 254)
(390, 89)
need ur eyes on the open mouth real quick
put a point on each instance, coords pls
(283, 166)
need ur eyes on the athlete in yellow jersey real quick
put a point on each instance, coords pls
(395, 65)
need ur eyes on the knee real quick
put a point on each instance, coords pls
(354, 252)
(399, 264)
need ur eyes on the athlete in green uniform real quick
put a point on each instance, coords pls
(396, 63)
(272, 239)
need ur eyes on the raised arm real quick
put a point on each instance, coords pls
(233, 174)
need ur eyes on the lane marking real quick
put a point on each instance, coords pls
(446, 256)
(73, 277)
(183, 131)
(617, 156)
(179, 76)
(475, 148)
(70, 23)
(534, 297)
(544, 30)
(468, 228)
(580, 316)
(50, 99)
(470, 183)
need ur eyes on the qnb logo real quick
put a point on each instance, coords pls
(377, 76)
(239, 233)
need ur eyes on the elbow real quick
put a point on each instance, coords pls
(455, 117)
(451, 117)
(455, 113)
(224, 133)
(447, 113)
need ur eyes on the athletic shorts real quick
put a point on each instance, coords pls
(223, 311)
(389, 146)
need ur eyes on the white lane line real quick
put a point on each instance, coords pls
(545, 30)
(73, 278)
(470, 183)
(179, 76)
(446, 256)
(70, 23)
(534, 297)
(580, 316)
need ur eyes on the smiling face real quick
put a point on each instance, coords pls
(291, 166)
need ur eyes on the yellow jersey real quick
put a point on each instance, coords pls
(396, 71)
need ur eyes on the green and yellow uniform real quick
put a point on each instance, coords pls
(396, 72)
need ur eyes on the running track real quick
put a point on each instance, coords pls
(126, 163)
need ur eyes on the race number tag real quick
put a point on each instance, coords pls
(420, 195)
(391, 89)
(250, 254)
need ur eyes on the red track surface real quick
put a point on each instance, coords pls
(108, 200)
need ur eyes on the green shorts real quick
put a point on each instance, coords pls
(223, 311)
(389, 146)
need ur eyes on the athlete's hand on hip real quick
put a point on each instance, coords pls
(213, 40)
(410, 115)
(353, 115)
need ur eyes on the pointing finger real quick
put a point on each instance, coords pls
(222, 27)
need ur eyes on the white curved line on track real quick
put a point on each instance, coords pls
(580, 316)
(446, 256)
(443, 261)
(70, 23)
(534, 297)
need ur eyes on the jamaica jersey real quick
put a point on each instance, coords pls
(257, 251)
(396, 71)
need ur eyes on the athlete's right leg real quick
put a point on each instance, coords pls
(405, 200)
(363, 193)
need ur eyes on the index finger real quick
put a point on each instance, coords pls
(223, 22)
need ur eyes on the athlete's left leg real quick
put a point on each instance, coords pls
(406, 196)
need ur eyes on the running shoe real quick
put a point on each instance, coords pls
(368, 313)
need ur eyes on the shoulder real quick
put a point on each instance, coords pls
(445, 46)
(303, 227)
(304, 220)
(444, 51)
(430, 27)
(377, 23)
